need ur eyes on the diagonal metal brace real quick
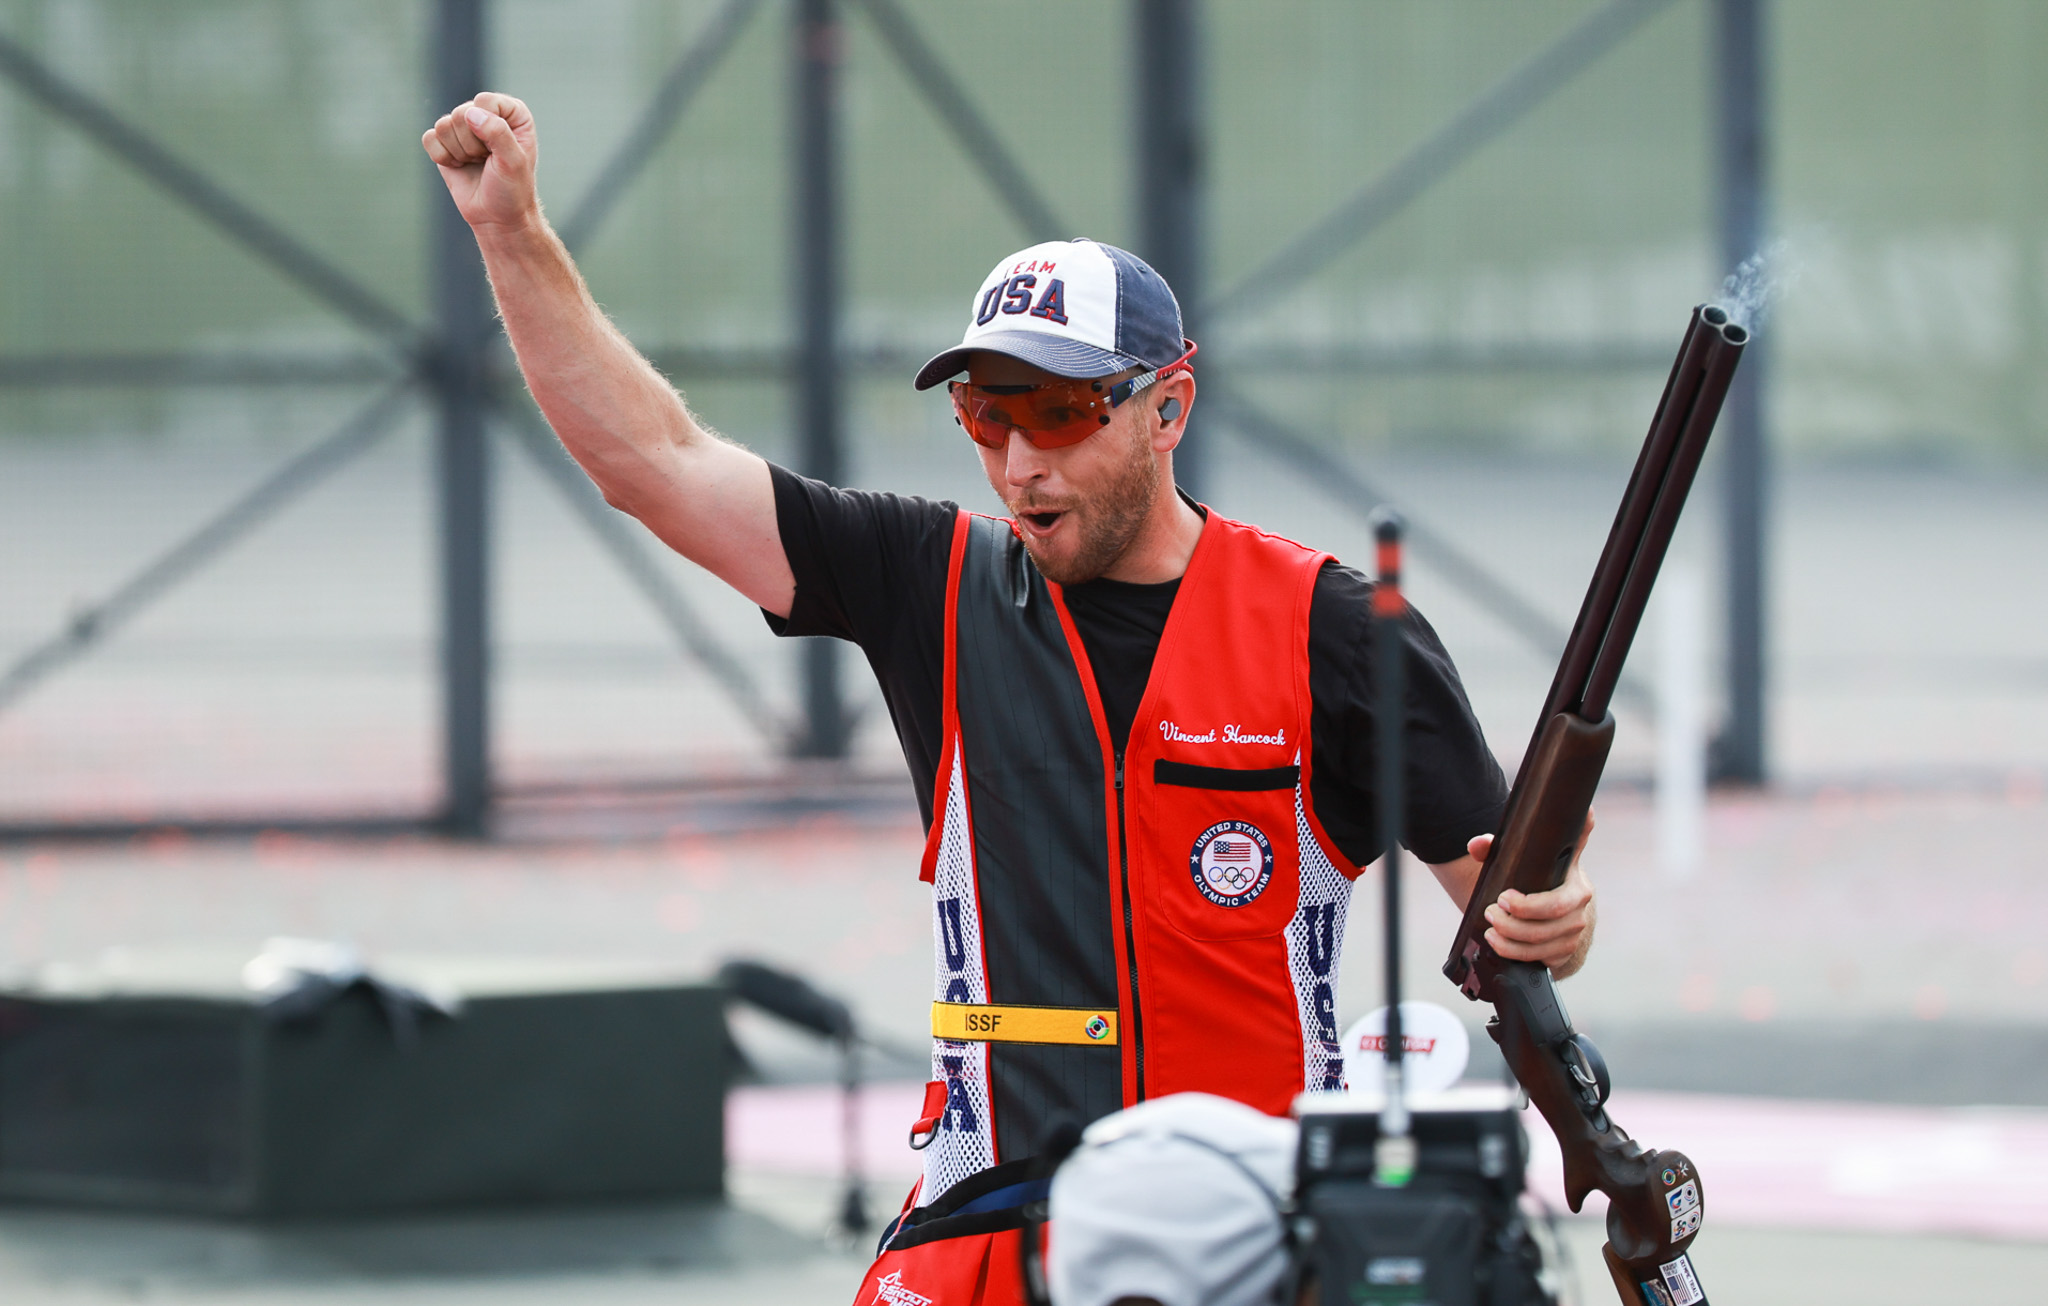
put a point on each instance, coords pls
(93, 623)
(1337, 478)
(195, 368)
(206, 197)
(1393, 190)
(685, 78)
(975, 134)
(534, 438)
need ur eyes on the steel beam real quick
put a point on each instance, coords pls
(1334, 476)
(819, 41)
(957, 114)
(685, 78)
(1506, 104)
(1742, 163)
(1166, 41)
(100, 619)
(55, 371)
(206, 197)
(196, 368)
(624, 542)
(460, 373)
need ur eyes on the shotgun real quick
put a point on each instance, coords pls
(1655, 1198)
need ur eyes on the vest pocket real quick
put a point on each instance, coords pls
(1233, 779)
(1224, 863)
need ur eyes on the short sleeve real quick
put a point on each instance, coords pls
(1455, 786)
(871, 568)
(862, 559)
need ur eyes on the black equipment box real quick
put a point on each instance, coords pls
(1454, 1235)
(544, 1088)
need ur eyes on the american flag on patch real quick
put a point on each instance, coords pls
(1233, 850)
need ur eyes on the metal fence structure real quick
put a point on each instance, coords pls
(1156, 135)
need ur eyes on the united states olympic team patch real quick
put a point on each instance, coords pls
(1232, 863)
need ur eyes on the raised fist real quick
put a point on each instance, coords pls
(487, 151)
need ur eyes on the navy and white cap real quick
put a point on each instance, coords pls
(1076, 308)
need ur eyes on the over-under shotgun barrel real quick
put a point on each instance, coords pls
(1553, 789)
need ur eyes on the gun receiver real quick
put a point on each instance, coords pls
(1655, 1203)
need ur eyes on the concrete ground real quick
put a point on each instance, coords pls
(1814, 955)
(765, 1251)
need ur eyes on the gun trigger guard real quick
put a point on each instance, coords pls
(1469, 984)
(1588, 1070)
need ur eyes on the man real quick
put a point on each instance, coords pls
(1141, 733)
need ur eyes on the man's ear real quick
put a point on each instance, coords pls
(1175, 396)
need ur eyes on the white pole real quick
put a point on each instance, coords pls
(1681, 722)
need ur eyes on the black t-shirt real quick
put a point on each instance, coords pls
(871, 568)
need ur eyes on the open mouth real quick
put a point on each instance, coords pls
(1042, 521)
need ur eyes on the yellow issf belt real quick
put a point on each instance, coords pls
(971, 1022)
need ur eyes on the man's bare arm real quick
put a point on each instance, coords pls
(705, 497)
(1555, 928)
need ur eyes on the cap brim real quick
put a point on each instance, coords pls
(1057, 356)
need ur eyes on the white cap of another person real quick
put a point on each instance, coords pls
(1177, 1201)
(1076, 308)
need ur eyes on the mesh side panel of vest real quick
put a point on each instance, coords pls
(1041, 836)
(1315, 943)
(965, 1143)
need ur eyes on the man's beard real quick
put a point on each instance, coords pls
(1108, 520)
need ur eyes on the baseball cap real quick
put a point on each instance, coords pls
(1076, 308)
(1176, 1199)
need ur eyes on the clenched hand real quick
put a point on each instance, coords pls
(1554, 927)
(487, 152)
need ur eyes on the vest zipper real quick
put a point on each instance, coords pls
(1123, 857)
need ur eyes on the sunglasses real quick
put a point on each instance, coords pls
(1050, 416)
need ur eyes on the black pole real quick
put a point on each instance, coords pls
(819, 42)
(462, 302)
(1166, 39)
(853, 1196)
(1739, 752)
(1389, 650)
(1395, 1159)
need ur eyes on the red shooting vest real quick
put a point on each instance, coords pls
(1186, 886)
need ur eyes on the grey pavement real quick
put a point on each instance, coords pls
(1809, 915)
(701, 1254)
(765, 1250)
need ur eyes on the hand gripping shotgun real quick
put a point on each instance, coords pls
(1655, 1198)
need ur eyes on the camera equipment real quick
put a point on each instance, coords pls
(1398, 1198)
(1453, 1234)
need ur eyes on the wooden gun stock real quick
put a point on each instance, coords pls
(1533, 850)
(1655, 1201)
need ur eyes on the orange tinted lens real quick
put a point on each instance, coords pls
(1051, 416)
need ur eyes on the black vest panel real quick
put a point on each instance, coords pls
(1034, 771)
